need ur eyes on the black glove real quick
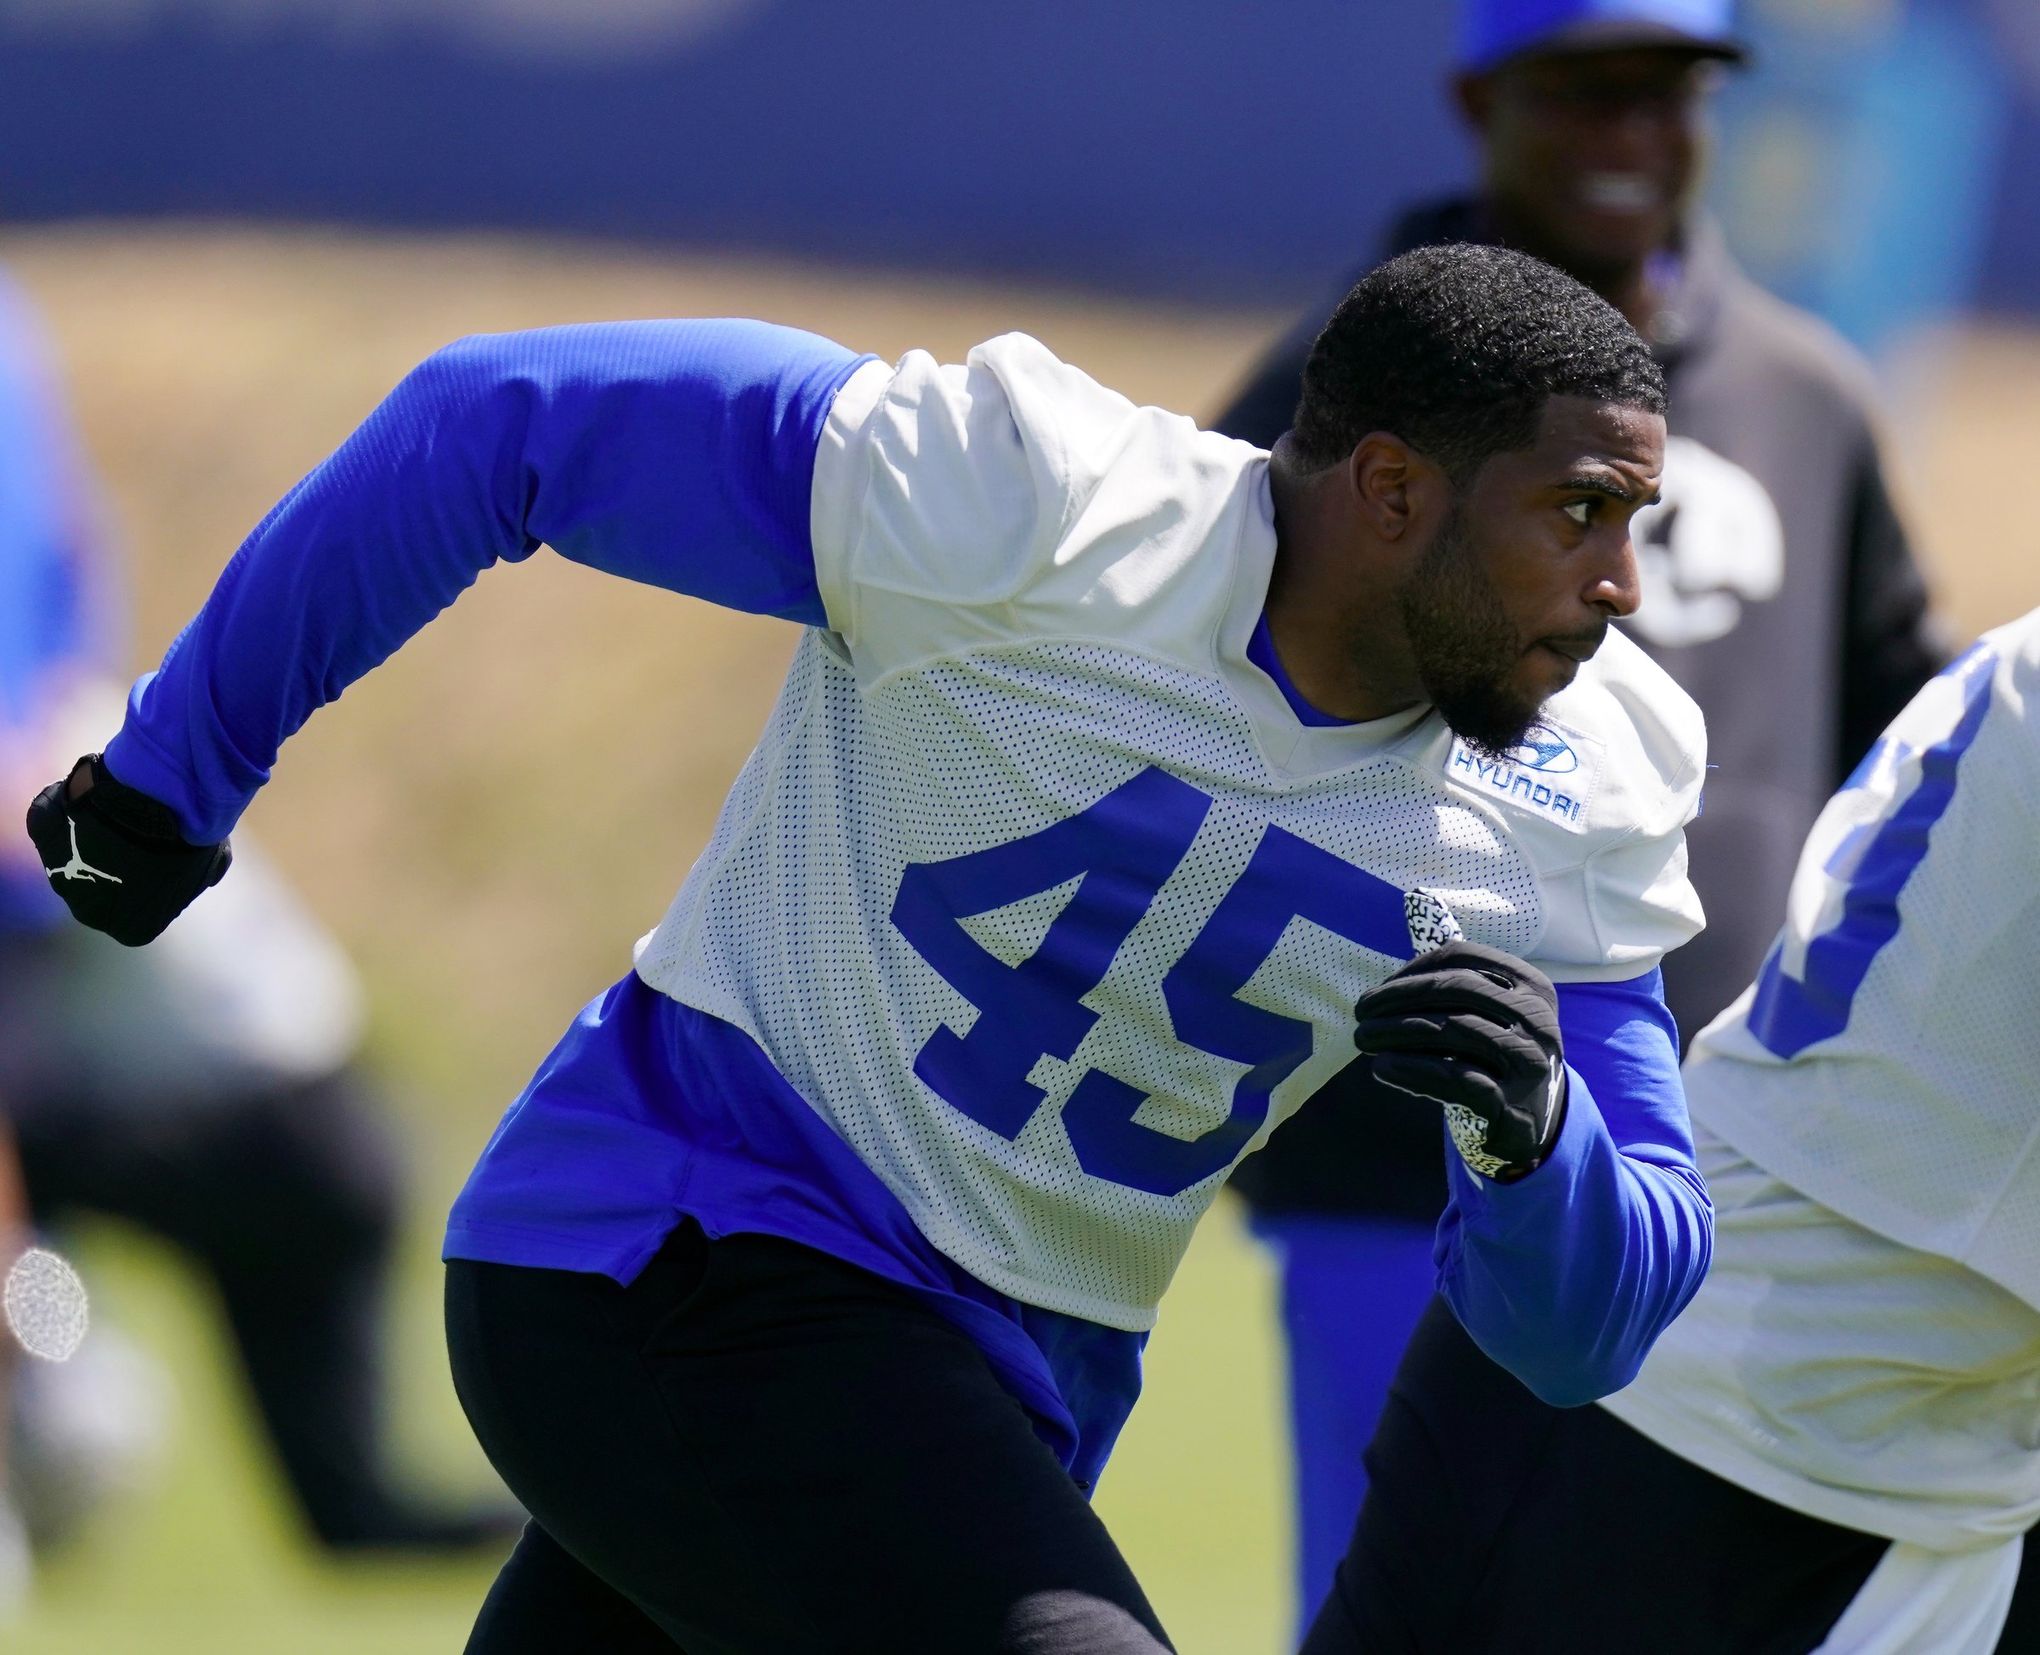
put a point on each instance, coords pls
(1475, 1030)
(116, 857)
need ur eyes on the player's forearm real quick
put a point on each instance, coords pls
(1568, 1276)
(677, 453)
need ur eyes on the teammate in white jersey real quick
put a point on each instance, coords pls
(1837, 1446)
(801, 1295)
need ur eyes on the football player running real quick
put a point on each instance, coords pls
(802, 1293)
(1834, 1448)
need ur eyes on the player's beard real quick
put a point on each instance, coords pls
(1465, 647)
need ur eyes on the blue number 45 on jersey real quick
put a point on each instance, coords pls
(1121, 851)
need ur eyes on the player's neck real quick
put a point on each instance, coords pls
(1348, 659)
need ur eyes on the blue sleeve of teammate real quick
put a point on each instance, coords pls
(56, 612)
(1568, 1276)
(48, 631)
(676, 453)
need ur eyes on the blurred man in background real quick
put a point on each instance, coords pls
(207, 1090)
(1779, 590)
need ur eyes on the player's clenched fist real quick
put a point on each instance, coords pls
(1475, 1030)
(115, 855)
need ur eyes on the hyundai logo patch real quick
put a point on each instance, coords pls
(1544, 773)
(1543, 748)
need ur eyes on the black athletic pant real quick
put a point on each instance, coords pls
(756, 1449)
(1496, 1523)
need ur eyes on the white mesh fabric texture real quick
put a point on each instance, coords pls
(784, 929)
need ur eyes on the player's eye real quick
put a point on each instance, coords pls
(1580, 511)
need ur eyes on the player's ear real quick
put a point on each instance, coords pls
(1382, 474)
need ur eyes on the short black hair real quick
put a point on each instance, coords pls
(1455, 348)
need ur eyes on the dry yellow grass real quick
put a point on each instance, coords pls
(1962, 451)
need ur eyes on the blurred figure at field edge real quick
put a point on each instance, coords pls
(1779, 590)
(206, 1090)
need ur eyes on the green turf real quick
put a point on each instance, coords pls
(1198, 1492)
(212, 1562)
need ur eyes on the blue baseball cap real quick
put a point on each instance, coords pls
(1493, 31)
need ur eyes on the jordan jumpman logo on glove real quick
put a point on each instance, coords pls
(115, 855)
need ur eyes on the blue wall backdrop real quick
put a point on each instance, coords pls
(1880, 165)
(1201, 147)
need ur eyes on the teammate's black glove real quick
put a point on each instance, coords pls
(116, 857)
(1474, 1030)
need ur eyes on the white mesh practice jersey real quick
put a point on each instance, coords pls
(1867, 1346)
(1844, 1374)
(1887, 1059)
(1036, 888)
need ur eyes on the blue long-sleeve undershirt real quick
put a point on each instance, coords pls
(676, 453)
(1567, 1277)
(681, 454)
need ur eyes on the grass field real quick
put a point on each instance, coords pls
(488, 828)
(213, 1564)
